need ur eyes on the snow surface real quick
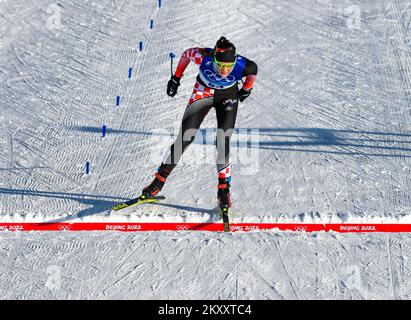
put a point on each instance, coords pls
(194, 265)
(330, 109)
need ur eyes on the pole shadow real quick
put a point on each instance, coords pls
(309, 140)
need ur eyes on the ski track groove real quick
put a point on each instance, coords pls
(68, 152)
(393, 276)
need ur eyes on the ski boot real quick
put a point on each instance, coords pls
(224, 201)
(157, 184)
(149, 193)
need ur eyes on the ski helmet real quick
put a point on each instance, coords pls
(224, 56)
(224, 51)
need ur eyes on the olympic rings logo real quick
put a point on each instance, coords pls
(216, 77)
(182, 227)
(64, 228)
(301, 229)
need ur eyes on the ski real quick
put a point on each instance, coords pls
(226, 223)
(136, 201)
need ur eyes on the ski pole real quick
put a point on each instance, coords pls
(172, 56)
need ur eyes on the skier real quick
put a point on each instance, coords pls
(217, 86)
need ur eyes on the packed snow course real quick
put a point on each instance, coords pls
(330, 111)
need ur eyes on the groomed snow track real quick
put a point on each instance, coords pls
(332, 107)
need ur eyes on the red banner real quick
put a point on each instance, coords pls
(235, 227)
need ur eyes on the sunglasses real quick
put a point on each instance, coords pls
(227, 65)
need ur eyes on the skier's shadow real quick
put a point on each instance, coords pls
(103, 207)
(214, 213)
(308, 140)
(98, 203)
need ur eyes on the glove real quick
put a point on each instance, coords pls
(243, 94)
(172, 86)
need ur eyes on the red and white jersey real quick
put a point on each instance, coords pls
(200, 91)
(193, 55)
